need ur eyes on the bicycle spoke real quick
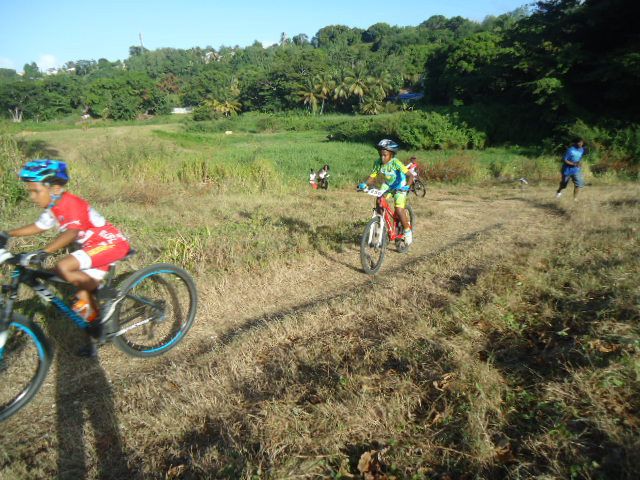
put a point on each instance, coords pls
(157, 309)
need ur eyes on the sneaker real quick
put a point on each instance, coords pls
(85, 310)
(558, 194)
(408, 237)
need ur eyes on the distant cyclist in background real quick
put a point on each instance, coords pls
(395, 180)
(571, 168)
(413, 167)
(323, 176)
(100, 244)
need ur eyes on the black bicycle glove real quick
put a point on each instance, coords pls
(33, 258)
(4, 238)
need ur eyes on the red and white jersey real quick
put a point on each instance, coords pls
(74, 213)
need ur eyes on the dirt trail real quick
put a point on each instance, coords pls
(451, 234)
(445, 223)
(447, 226)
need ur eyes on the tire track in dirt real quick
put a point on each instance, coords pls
(239, 305)
(238, 310)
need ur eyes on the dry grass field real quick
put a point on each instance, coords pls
(505, 344)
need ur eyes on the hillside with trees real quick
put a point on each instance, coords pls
(516, 77)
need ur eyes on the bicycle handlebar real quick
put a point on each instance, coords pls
(376, 192)
(8, 257)
(22, 259)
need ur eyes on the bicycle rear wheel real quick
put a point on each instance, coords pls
(25, 359)
(373, 245)
(158, 307)
(419, 188)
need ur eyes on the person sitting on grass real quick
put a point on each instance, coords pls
(101, 244)
(395, 180)
(312, 179)
(323, 175)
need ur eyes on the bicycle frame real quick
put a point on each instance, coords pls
(384, 210)
(34, 280)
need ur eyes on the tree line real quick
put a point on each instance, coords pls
(553, 61)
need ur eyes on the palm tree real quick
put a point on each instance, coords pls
(227, 108)
(231, 107)
(381, 84)
(357, 83)
(324, 85)
(371, 105)
(309, 96)
(341, 92)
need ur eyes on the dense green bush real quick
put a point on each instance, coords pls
(415, 130)
(255, 122)
(611, 150)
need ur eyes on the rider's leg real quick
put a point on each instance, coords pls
(404, 217)
(400, 204)
(69, 269)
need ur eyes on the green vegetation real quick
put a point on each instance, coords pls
(505, 345)
(514, 341)
(547, 72)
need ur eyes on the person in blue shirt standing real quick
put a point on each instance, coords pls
(571, 168)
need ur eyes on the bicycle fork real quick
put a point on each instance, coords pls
(375, 234)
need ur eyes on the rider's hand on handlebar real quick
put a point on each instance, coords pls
(4, 238)
(362, 186)
(34, 258)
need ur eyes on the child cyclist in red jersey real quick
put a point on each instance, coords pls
(100, 243)
(413, 167)
(395, 180)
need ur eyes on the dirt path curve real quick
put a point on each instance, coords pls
(455, 234)
(449, 226)
(444, 224)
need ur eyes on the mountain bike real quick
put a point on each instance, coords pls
(384, 227)
(144, 315)
(418, 188)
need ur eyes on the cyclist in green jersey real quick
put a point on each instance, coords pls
(396, 181)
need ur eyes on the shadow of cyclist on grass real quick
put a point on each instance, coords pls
(84, 406)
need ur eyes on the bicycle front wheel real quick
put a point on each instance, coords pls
(419, 188)
(25, 358)
(157, 309)
(373, 245)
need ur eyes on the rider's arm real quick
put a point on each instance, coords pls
(65, 238)
(26, 231)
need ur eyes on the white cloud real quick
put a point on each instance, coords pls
(47, 61)
(7, 63)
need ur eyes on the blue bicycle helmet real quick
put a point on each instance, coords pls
(52, 172)
(386, 144)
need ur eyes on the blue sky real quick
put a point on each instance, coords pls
(52, 32)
